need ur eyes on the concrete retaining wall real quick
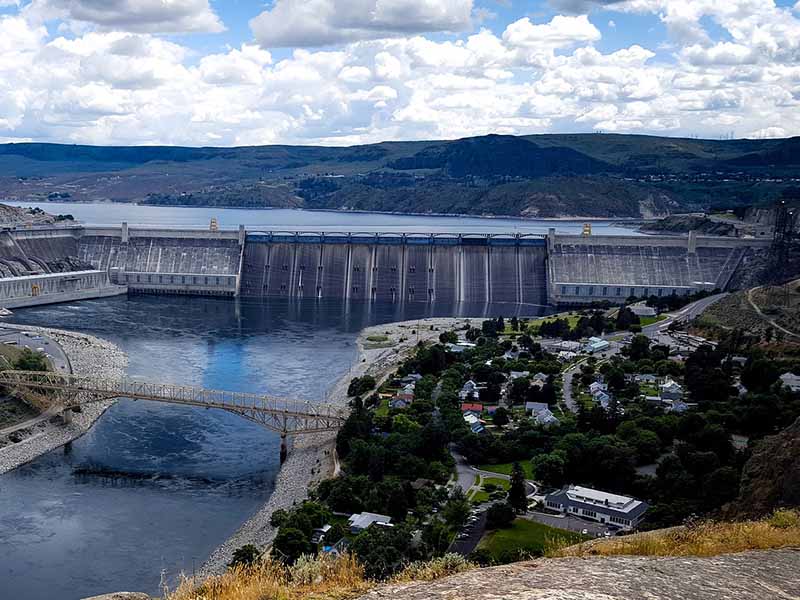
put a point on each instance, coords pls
(35, 290)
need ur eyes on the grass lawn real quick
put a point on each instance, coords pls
(527, 537)
(645, 321)
(505, 469)
(382, 410)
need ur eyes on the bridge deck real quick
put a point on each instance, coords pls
(287, 416)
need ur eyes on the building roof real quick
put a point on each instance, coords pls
(612, 504)
(641, 310)
(471, 407)
(790, 380)
(365, 519)
(536, 407)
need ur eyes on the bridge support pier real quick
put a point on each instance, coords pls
(67, 415)
(284, 448)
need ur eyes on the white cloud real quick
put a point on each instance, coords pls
(100, 86)
(309, 23)
(559, 32)
(157, 16)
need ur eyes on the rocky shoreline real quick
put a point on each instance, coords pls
(88, 355)
(312, 457)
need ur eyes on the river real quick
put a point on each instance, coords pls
(191, 476)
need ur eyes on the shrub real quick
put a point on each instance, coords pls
(246, 555)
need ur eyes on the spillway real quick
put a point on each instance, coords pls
(520, 270)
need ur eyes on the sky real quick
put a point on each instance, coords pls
(344, 72)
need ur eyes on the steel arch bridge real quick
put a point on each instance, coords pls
(56, 391)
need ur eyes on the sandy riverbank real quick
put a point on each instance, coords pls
(312, 458)
(88, 355)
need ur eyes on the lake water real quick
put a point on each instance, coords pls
(192, 475)
(306, 220)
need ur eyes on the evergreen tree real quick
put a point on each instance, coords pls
(516, 494)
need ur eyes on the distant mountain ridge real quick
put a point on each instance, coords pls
(549, 175)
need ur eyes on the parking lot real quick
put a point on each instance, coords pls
(571, 523)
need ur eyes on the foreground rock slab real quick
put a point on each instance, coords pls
(773, 574)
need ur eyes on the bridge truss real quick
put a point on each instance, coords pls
(49, 391)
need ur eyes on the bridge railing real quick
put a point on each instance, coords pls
(127, 387)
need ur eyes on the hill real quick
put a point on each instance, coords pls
(545, 175)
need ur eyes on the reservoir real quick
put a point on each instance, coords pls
(281, 219)
(152, 489)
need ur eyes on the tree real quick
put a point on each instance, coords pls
(457, 509)
(448, 337)
(550, 468)
(500, 417)
(290, 544)
(759, 375)
(516, 494)
(360, 385)
(31, 361)
(639, 348)
(245, 556)
(500, 516)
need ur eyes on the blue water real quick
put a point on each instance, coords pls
(193, 475)
(280, 219)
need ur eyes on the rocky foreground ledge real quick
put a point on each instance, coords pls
(771, 574)
(89, 356)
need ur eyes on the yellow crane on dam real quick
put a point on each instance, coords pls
(56, 391)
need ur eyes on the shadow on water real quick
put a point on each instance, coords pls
(157, 487)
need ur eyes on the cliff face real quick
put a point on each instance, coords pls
(745, 576)
(771, 477)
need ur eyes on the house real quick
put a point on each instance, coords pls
(477, 428)
(596, 386)
(565, 356)
(603, 507)
(646, 378)
(791, 381)
(671, 390)
(740, 389)
(533, 407)
(642, 310)
(595, 344)
(469, 389)
(412, 378)
(602, 398)
(546, 418)
(361, 521)
(678, 406)
(471, 418)
(490, 410)
(399, 404)
(518, 374)
(318, 534)
(407, 393)
(472, 407)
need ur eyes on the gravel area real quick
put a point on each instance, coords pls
(88, 355)
(312, 457)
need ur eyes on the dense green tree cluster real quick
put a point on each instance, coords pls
(361, 385)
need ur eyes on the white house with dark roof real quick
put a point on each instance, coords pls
(469, 389)
(670, 390)
(791, 381)
(603, 507)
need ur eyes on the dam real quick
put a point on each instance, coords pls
(514, 269)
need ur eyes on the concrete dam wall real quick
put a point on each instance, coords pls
(389, 268)
(397, 269)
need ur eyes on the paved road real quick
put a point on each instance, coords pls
(18, 339)
(684, 315)
(474, 535)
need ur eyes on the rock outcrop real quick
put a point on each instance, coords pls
(771, 477)
(745, 576)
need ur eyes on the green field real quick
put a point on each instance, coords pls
(382, 410)
(526, 537)
(645, 321)
(505, 468)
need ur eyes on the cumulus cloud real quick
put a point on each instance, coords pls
(157, 16)
(310, 23)
(95, 85)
